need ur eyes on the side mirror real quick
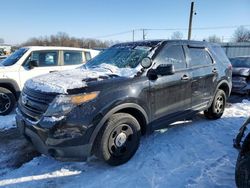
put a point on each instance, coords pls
(146, 62)
(165, 69)
(33, 63)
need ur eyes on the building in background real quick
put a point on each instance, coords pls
(236, 49)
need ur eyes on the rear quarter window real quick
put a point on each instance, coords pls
(220, 54)
(199, 57)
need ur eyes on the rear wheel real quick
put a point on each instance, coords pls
(215, 111)
(7, 101)
(118, 140)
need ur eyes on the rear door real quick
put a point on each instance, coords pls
(204, 75)
(172, 93)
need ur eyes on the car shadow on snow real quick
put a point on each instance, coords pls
(238, 98)
(15, 151)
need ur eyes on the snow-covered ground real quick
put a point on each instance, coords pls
(7, 122)
(197, 153)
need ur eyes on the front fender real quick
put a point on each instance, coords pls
(111, 112)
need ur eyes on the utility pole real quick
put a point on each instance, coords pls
(133, 35)
(190, 20)
(143, 34)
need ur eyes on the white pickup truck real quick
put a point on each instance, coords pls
(28, 62)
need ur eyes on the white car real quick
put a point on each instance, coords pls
(28, 62)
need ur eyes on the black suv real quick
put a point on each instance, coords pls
(130, 89)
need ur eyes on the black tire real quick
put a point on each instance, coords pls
(118, 140)
(242, 171)
(7, 101)
(216, 110)
(242, 168)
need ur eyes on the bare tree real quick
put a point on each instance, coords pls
(63, 39)
(241, 34)
(1, 40)
(177, 35)
(214, 38)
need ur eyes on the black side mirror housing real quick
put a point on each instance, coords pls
(162, 70)
(33, 63)
(165, 69)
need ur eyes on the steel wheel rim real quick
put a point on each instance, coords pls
(124, 135)
(4, 102)
(219, 104)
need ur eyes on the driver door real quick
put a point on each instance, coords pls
(171, 93)
(48, 61)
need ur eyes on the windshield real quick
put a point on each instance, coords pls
(240, 62)
(120, 56)
(13, 58)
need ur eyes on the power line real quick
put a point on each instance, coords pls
(168, 29)
(114, 34)
(198, 28)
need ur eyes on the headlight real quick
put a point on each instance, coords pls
(63, 104)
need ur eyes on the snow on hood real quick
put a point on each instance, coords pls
(60, 82)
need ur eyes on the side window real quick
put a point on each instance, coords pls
(72, 57)
(199, 57)
(87, 55)
(172, 54)
(45, 58)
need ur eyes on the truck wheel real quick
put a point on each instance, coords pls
(118, 140)
(7, 101)
(217, 108)
(242, 171)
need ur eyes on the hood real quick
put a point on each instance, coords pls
(61, 82)
(6, 70)
(241, 71)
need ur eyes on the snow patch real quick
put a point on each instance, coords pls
(56, 174)
(53, 119)
(197, 153)
(7, 122)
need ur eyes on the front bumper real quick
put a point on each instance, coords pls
(241, 85)
(65, 149)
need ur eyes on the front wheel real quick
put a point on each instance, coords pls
(119, 139)
(7, 101)
(215, 111)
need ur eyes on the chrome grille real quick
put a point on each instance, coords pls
(33, 104)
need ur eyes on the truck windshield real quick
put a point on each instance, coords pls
(13, 58)
(121, 56)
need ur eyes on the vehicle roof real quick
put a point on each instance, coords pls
(153, 43)
(57, 48)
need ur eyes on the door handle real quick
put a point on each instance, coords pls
(214, 70)
(52, 71)
(184, 77)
